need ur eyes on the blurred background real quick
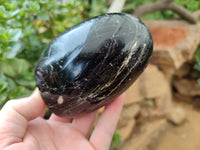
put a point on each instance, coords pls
(161, 111)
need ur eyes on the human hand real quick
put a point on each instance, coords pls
(22, 127)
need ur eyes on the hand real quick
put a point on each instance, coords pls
(22, 127)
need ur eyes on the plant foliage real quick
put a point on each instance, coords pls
(191, 5)
(116, 141)
(26, 28)
(196, 74)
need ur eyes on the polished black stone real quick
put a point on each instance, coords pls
(87, 66)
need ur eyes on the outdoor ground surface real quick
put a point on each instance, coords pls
(183, 137)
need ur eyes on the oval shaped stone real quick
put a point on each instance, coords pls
(93, 62)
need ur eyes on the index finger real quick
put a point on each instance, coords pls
(105, 127)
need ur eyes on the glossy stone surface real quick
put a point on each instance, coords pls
(87, 66)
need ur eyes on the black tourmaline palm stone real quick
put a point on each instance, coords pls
(95, 61)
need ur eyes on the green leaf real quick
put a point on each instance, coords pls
(197, 55)
(191, 5)
(3, 89)
(7, 14)
(19, 92)
(3, 86)
(43, 16)
(10, 14)
(197, 67)
(2, 77)
(11, 5)
(28, 30)
(8, 67)
(116, 141)
(35, 5)
(15, 34)
(2, 11)
(11, 84)
(4, 35)
(11, 52)
(14, 23)
(14, 67)
(26, 80)
(198, 82)
(3, 99)
(43, 1)
(31, 5)
(2, 30)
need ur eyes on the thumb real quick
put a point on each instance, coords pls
(15, 115)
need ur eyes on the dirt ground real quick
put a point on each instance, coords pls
(183, 137)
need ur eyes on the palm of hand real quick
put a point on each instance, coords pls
(53, 135)
(21, 127)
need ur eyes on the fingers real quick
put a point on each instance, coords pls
(29, 108)
(59, 119)
(15, 115)
(104, 130)
(85, 123)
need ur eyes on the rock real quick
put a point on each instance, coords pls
(127, 120)
(144, 134)
(192, 100)
(130, 112)
(177, 115)
(134, 93)
(174, 43)
(183, 137)
(187, 87)
(125, 131)
(168, 37)
(182, 98)
(184, 70)
(152, 84)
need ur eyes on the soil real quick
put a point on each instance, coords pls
(183, 137)
(165, 37)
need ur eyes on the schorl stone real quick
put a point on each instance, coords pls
(93, 62)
